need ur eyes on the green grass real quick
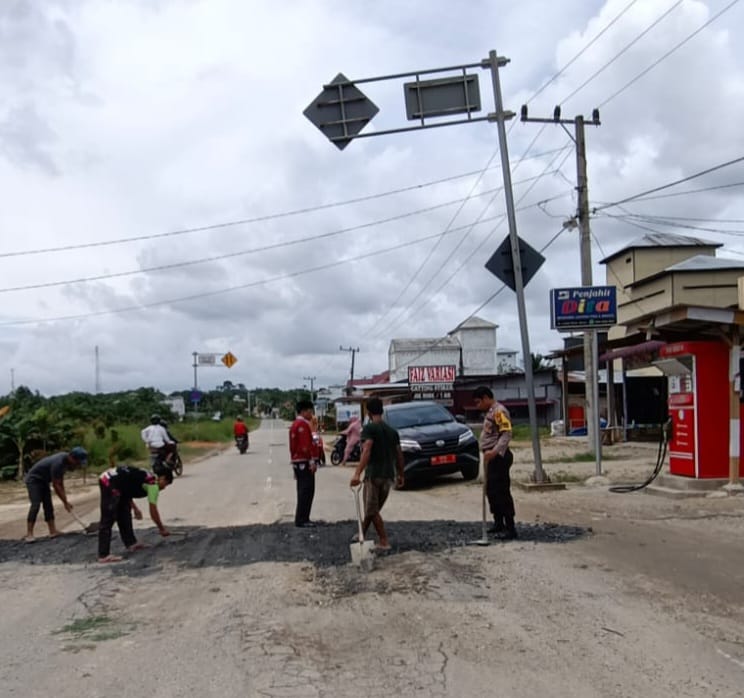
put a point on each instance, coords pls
(124, 444)
(92, 629)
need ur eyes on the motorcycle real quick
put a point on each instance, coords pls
(339, 446)
(241, 442)
(174, 462)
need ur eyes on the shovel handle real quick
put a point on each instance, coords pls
(356, 493)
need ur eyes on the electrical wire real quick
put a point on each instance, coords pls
(256, 219)
(222, 291)
(675, 224)
(622, 51)
(582, 52)
(488, 300)
(254, 250)
(668, 53)
(676, 182)
(407, 313)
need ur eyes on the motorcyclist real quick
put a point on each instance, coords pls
(169, 450)
(353, 434)
(240, 430)
(157, 439)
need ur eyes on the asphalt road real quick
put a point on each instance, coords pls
(600, 596)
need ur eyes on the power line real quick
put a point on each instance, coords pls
(582, 52)
(689, 178)
(668, 53)
(406, 312)
(255, 219)
(478, 309)
(254, 250)
(222, 291)
(540, 90)
(681, 193)
(675, 224)
(623, 50)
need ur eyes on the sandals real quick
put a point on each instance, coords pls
(29, 539)
(136, 546)
(110, 558)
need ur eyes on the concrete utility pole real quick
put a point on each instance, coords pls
(312, 384)
(585, 249)
(353, 351)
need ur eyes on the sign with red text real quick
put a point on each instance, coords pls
(432, 383)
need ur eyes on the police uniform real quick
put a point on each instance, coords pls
(496, 434)
(304, 464)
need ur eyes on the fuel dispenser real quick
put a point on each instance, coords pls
(698, 407)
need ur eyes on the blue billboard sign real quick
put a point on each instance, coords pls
(583, 307)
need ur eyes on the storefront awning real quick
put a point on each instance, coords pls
(648, 347)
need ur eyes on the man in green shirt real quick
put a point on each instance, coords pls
(381, 457)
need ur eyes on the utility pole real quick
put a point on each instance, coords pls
(98, 373)
(12, 381)
(591, 384)
(312, 384)
(353, 351)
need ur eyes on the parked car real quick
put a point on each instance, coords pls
(433, 441)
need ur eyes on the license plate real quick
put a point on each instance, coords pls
(441, 460)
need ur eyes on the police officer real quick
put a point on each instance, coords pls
(304, 463)
(497, 460)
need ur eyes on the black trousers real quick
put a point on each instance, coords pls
(39, 494)
(305, 493)
(114, 509)
(498, 490)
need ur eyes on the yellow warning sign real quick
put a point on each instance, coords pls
(229, 359)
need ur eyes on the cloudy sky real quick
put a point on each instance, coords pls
(125, 123)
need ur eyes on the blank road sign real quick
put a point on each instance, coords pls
(501, 265)
(341, 111)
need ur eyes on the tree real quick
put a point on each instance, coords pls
(18, 429)
(539, 362)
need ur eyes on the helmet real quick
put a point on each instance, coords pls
(79, 454)
(155, 419)
(163, 424)
(238, 419)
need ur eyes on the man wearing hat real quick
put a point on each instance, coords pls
(50, 471)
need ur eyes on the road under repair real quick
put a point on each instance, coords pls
(612, 595)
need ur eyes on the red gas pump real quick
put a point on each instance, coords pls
(698, 406)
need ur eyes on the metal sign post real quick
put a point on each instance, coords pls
(341, 111)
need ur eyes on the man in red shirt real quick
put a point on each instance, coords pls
(304, 462)
(239, 428)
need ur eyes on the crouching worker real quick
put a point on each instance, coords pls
(119, 488)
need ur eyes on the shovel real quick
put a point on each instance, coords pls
(87, 528)
(483, 540)
(362, 551)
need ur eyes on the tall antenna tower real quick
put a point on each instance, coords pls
(98, 372)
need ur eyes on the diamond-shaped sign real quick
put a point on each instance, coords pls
(229, 359)
(502, 266)
(341, 112)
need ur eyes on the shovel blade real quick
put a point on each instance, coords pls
(363, 554)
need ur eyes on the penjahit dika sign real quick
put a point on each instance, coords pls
(583, 307)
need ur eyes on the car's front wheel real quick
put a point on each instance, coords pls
(470, 472)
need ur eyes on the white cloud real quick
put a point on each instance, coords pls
(126, 119)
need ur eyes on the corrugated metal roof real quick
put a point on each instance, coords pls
(704, 262)
(662, 240)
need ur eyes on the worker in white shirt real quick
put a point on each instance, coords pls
(157, 440)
